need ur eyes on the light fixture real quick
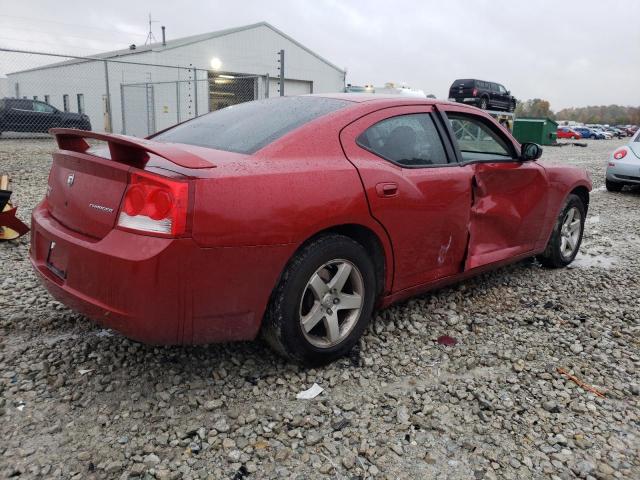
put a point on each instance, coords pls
(216, 63)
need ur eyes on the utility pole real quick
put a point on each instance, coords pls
(281, 68)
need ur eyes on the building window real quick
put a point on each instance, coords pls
(65, 102)
(35, 97)
(80, 103)
(46, 99)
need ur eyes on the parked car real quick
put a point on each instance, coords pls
(566, 132)
(23, 115)
(235, 222)
(606, 135)
(623, 167)
(483, 94)
(626, 130)
(616, 132)
(589, 133)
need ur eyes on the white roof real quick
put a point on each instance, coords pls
(177, 43)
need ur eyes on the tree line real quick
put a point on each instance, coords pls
(600, 114)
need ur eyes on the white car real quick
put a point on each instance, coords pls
(607, 135)
(623, 167)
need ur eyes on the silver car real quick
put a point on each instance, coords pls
(623, 167)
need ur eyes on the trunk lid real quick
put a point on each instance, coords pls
(84, 194)
(86, 186)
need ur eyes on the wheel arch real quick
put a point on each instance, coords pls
(365, 236)
(583, 193)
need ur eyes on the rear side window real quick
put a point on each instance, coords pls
(247, 127)
(407, 140)
(22, 105)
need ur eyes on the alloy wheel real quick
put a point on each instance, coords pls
(570, 232)
(331, 303)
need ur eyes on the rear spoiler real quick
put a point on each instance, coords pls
(129, 150)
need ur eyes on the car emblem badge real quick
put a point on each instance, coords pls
(70, 179)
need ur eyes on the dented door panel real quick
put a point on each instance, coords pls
(508, 211)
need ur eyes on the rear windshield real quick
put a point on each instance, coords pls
(247, 127)
(464, 83)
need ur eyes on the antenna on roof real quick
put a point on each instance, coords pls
(150, 36)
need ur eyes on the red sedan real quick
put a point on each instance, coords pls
(566, 132)
(294, 216)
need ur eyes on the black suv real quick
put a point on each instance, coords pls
(23, 115)
(486, 95)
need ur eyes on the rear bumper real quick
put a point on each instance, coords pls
(627, 172)
(156, 290)
(468, 101)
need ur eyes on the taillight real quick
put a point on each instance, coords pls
(474, 92)
(620, 154)
(154, 205)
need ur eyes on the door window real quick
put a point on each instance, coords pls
(42, 107)
(502, 89)
(65, 102)
(406, 140)
(477, 141)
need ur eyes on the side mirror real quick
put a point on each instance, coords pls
(530, 151)
(508, 92)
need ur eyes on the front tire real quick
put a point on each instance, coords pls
(613, 186)
(566, 237)
(323, 301)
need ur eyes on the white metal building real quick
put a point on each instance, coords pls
(143, 90)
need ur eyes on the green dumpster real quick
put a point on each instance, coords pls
(542, 131)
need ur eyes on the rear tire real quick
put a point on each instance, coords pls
(567, 233)
(323, 301)
(483, 103)
(613, 186)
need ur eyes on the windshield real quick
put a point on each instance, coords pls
(247, 127)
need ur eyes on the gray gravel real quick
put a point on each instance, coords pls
(401, 406)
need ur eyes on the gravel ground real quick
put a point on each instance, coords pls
(80, 402)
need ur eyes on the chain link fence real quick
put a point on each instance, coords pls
(39, 91)
(148, 107)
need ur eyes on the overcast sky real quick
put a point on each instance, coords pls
(570, 53)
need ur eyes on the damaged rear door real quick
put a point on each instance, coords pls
(415, 189)
(509, 196)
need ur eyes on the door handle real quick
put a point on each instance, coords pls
(387, 189)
